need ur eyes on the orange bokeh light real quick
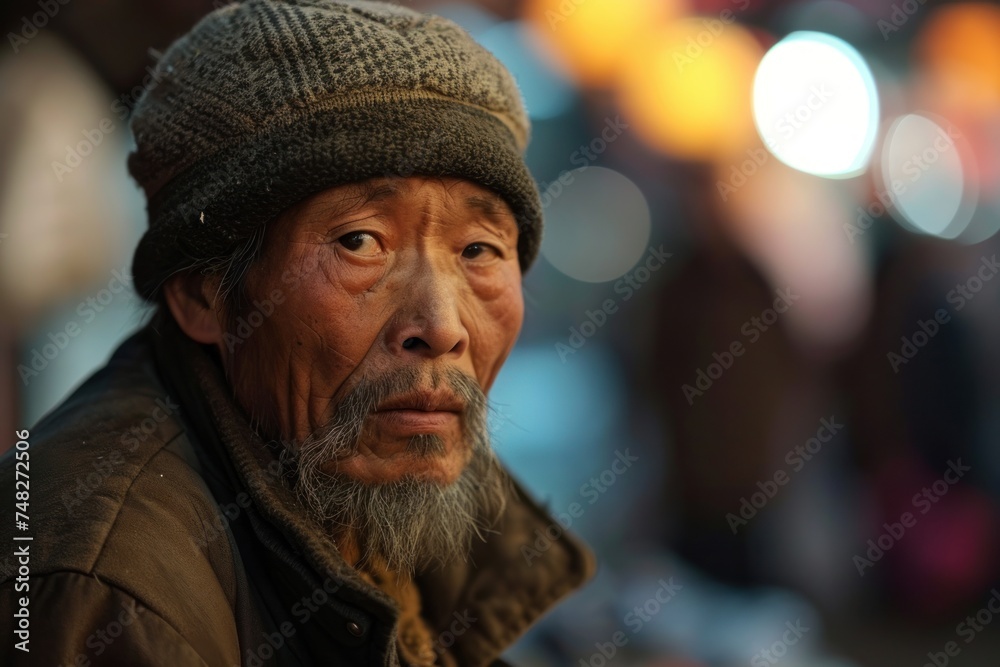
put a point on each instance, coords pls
(687, 88)
(959, 49)
(588, 38)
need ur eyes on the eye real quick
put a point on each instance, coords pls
(361, 243)
(477, 250)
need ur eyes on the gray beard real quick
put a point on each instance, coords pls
(409, 524)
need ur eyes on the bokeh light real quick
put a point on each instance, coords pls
(985, 222)
(959, 49)
(923, 180)
(816, 106)
(589, 39)
(791, 225)
(686, 88)
(597, 226)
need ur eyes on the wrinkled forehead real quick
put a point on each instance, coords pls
(465, 198)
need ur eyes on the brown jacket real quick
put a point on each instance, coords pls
(162, 536)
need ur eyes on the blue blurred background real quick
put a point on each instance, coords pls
(759, 368)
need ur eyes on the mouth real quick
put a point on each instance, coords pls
(423, 401)
(420, 412)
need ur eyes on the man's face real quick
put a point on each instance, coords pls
(405, 285)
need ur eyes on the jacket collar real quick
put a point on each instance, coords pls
(478, 607)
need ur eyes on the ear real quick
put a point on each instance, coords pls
(193, 300)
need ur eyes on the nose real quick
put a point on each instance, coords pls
(428, 322)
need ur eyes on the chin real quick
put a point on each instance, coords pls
(388, 465)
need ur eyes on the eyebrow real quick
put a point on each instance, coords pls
(493, 208)
(488, 205)
(359, 196)
(376, 191)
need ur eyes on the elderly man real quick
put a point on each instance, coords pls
(290, 465)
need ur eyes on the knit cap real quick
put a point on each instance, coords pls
(266, 102)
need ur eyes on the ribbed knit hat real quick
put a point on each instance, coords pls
(266, 102)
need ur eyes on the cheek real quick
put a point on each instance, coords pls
(312, 342)
(497, 326)
(330, 322)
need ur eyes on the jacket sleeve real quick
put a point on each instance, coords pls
(75, 620)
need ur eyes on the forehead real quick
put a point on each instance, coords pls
(453, 194)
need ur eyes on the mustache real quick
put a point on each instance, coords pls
(371, 392)
(340, 436)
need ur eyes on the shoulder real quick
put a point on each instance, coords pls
(116, 496)
(75, 619)
(113, 458)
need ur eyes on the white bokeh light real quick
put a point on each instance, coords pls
(597, 226)
(923, 180)
(816, 106)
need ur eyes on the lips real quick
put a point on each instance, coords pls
(430, 401)
(420, 412)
